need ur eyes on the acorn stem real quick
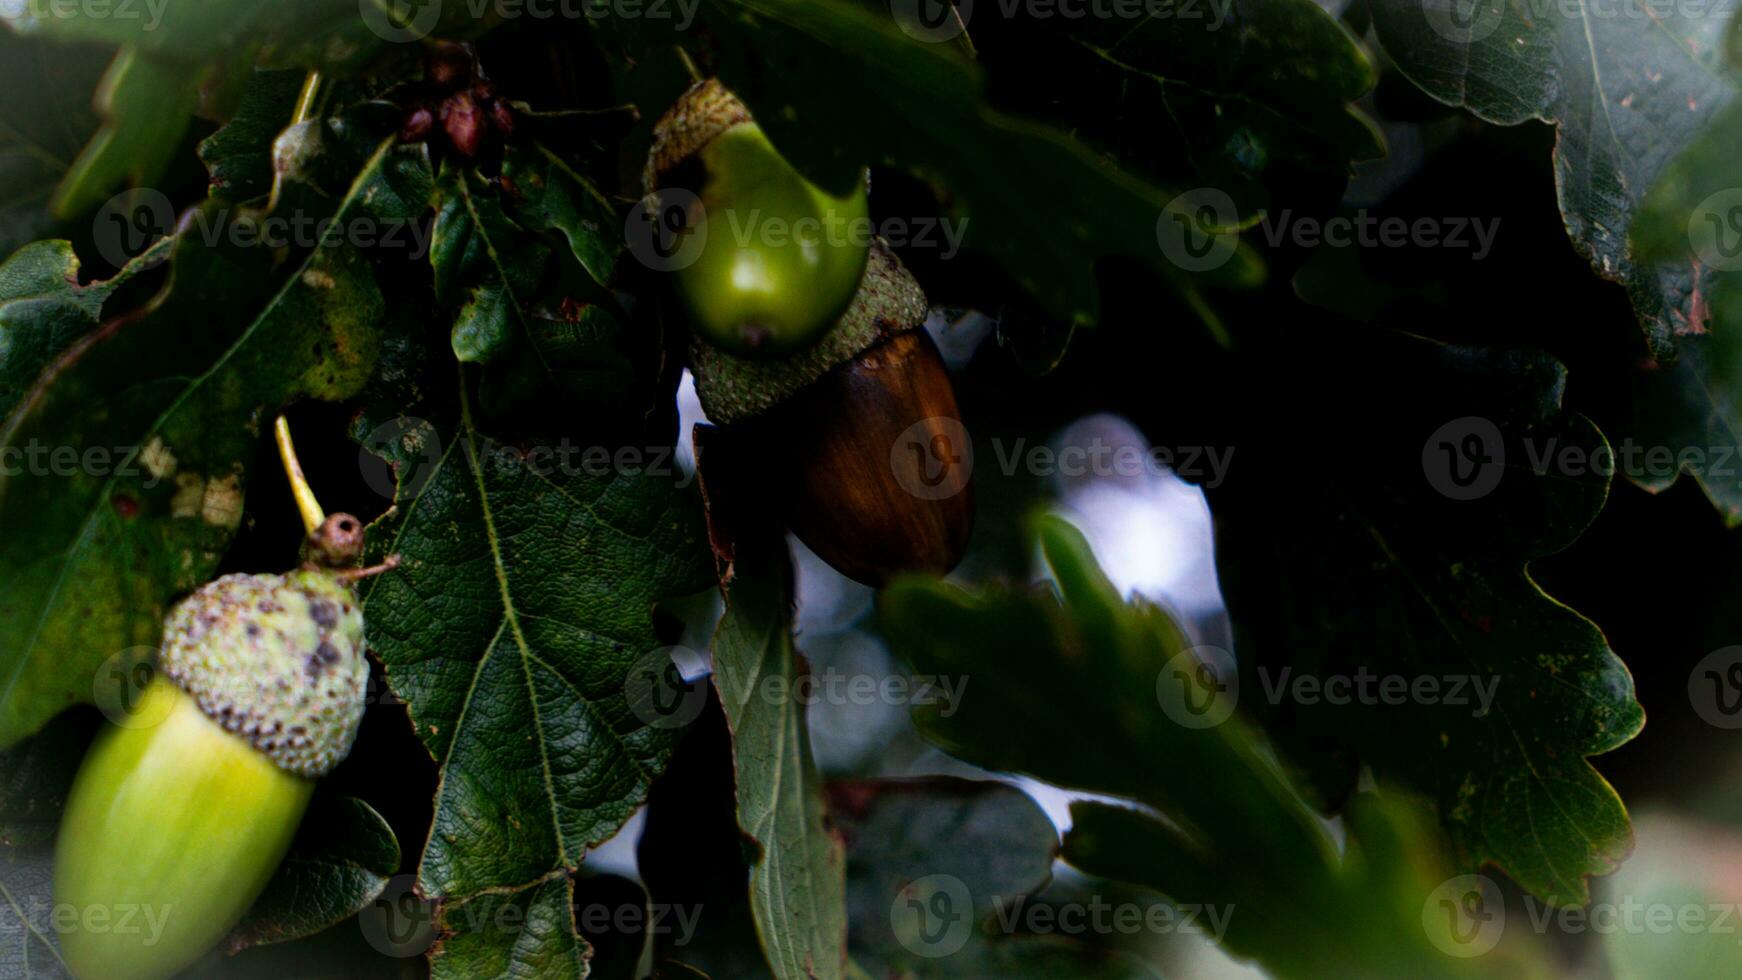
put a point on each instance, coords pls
(305, 100)
(312, 515)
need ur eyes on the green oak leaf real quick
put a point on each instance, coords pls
(839, 87)
(1627, 94)
(136, 444)
(524, 932)
(1235, 95)
(342, 857)
(1123, 677)
(523, 603)
(1404, 559)
(991, 838)
(1690, 220)
(44, 310)
(797, 882)
(146, 102)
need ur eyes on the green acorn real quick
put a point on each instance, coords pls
(174, 828)
(780, 258)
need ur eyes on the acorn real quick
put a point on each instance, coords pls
(177, 821)
(859, 438)
(779, 258)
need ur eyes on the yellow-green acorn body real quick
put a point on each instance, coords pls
(780, 258)
(177, 822)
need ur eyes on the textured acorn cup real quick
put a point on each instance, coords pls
(779, 258)
(858, 435)
(178, 818)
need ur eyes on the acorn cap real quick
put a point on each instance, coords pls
(734, 389)
(703, 112)
(275, 659)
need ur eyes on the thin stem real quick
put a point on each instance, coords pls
(312, 515)
(305, 100)
(695, 74)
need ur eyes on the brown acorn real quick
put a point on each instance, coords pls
(859, 438)
(855, 433)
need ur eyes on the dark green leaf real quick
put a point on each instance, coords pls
(341, 859)
(528, 932)
(44, 310)
(155, 417)
(839, 88)
(1627, 94)
(1402, 556)
(989, 838)
(797, 884)
(524, 600)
